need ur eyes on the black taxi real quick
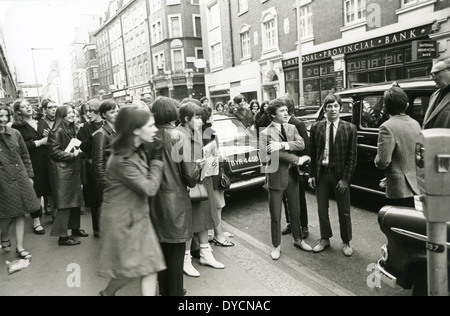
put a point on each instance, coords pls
(240, 155)
(368, 115)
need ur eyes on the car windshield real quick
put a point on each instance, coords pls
(230, 131)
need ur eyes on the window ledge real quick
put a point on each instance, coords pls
(354, 25)
(246, 60)
(413, 7)
(307, 39)
(243, 12)
(217, 68)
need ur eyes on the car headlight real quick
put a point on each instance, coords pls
(384, 253)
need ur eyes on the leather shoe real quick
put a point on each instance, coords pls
(287, 230)
(66, 241)
(347, 250)
(301, 244)
(322, 245)
(305, 232)
(276, 253)
(79, 233)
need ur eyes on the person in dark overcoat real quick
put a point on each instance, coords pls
(37, 148)
(91, 198)
(101, 151)
(45, 125)
(17, 195)
(65, 178)
(172, 211)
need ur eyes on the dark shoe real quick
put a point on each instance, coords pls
(225, 243)
(79, 233)
(96, 234)
(287, 230)
(301, 244)
(24, 254)
(305, 232)
(184, 292)
(39, 232)
(66, 241)
(6, 245)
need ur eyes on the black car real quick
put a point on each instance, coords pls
(240, 156)
(368, 115)
(404, 257)
(346, 114)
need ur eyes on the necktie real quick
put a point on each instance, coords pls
(331, 147)
(283, 132)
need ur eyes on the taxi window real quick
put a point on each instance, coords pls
(231, 130)
(372, 112)
(419, 108)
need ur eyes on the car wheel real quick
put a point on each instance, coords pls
(420, 287)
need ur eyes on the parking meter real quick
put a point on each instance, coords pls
(433, 177)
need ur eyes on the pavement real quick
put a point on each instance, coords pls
(71, 271)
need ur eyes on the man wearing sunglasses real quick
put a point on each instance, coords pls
(438, 114)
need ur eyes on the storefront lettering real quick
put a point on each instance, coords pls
(369, 44)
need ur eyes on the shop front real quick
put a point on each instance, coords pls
(401, 55)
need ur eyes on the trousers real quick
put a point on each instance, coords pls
(65, 219)
(327, 183)
(171, 280)
(275, 206)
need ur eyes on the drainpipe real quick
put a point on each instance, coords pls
(231, 34)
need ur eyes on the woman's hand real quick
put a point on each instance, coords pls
(200, 163)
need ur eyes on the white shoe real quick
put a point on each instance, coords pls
(276, 253)
(347, 250)
(188, 268)
(207, 258)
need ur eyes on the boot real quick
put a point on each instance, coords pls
(207, 258)
(188, 268)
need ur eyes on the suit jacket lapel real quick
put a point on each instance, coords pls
(435, 109)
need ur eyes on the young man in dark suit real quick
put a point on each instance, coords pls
(333, 163)
(280, 144)
(301, 128)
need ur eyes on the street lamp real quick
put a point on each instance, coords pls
(35, 73)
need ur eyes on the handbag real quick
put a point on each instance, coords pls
(224, 182)
(198, 193)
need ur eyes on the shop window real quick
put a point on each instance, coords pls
(372, 112)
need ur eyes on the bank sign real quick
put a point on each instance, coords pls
(394, 38)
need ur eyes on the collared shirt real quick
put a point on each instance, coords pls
(326, 154)
(278, 127)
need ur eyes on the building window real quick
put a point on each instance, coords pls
(306, 21)
(197, 25)
(243, 6)
(406, 3)
(216, 55)
(177, 60)
(269, 34)
(245, 45)
(175, 26)
(158, 62)
(355, 11)
(157, 35)
(214, 16)
(155, 5)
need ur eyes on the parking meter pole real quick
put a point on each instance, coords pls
(437, 259)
